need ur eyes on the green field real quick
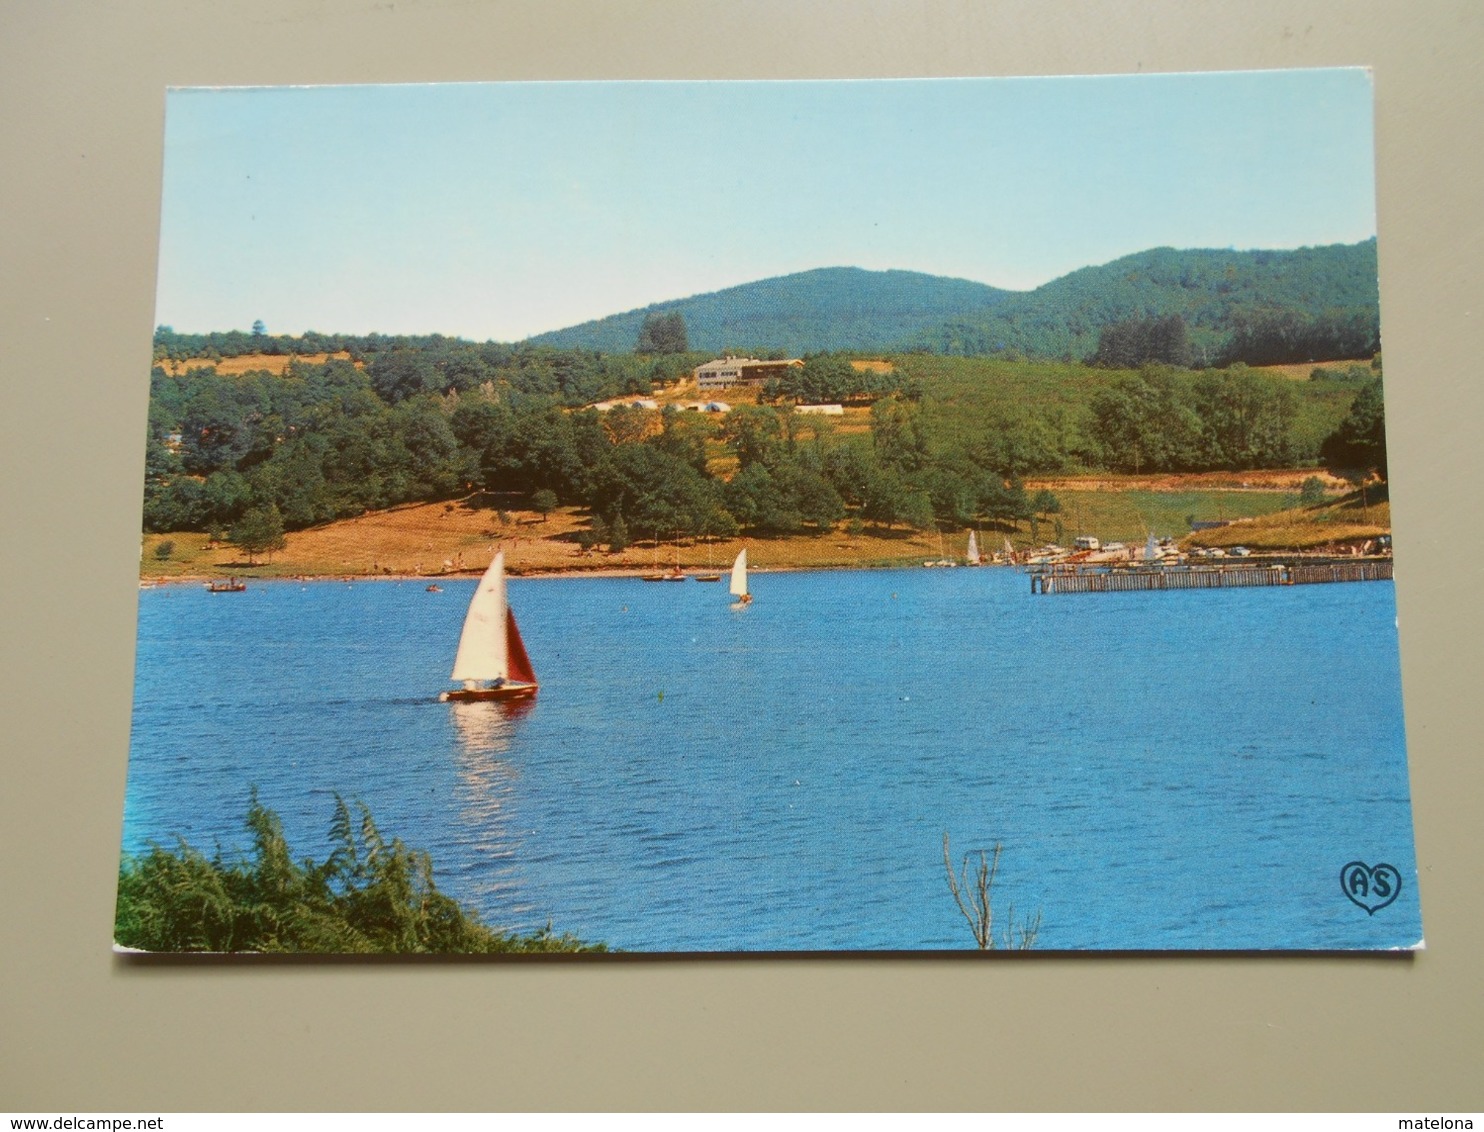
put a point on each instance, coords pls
(1130, 516)
(966, 399)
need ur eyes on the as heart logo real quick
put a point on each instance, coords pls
(1372, 887)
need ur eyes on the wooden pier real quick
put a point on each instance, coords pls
(1091, 580)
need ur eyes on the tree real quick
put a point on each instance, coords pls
(1246, 420)
(852, 468)
(618, 535)
(1005, 502)
(890, 500)
(754, 498)
(425, 444)
(662, 333)
(179, 505)
(1360, 441)
(822, 378)
(544, 501)
(1045, 503)
(1143, 423)
(954, 498)
(259, 531)
(258, 329)
(896, 431)
(755, 433)
(1136, 342)
(216, 430)
(1311, 492)
(399, 374)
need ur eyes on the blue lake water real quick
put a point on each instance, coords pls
(1166, 770)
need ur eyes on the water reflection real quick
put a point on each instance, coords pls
(486, 727)
(486, 796)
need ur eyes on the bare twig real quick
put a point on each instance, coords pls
(973, 895)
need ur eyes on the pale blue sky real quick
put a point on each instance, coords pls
(503, 210)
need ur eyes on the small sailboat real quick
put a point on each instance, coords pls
(675, 575)
(738, 587)
(972, 556)
(491, 661)
(711, 575)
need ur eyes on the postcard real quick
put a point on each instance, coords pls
(907, 516)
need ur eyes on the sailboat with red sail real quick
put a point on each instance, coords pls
(491, 662)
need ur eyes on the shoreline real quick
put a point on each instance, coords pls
(147, 581)
(559, 574)
(428, 542)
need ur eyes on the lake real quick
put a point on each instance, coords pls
(1164, 770)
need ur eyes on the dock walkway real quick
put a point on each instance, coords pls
(1084, 580)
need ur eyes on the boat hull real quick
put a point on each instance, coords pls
(503, 692)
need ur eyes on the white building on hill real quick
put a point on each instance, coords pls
(723, 373)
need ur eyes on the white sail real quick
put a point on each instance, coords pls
(973, 554)
(739, 575)
(482, 653)
(1151, 551)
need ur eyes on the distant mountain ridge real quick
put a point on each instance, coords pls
(828, 308)
(1215, 291)
(849, 308)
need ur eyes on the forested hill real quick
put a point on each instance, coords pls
(1226, 298)
(831, 308)
(1221, 295)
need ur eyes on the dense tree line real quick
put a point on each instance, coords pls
(403, 365)
(1263, 338)
(1359, 444)
(662, 333)
(832, 379)
(1138, 342)
(1161, 421)
(258, 454)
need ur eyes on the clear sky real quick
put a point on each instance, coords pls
(500, 210)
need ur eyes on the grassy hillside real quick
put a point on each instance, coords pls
(1350, 520)
(968, 399)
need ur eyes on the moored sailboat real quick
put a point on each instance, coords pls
(675, 575)
(491, 661)
(711, 575)
(738, 588)
(971, 557)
